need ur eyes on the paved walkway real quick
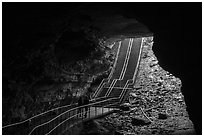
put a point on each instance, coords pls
(125, 69)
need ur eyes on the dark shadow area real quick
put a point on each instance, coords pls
(72, 47)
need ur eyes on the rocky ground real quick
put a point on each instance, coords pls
(155, 105)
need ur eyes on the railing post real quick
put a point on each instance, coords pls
(95, 111)
(34, 122)
(53, 132)
(39, 130)
(108, 104)
(68, 124)
(60, 127)
(77, 114)
(82, 113)
(49, 127)
(89, 111)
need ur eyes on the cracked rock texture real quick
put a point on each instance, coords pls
(157, 105)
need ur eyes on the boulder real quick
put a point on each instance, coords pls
(118, 133)
(125, 107)
(162, 116)
(139, 122)
(133, 94)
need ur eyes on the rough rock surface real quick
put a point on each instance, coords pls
(46, 79)
(157, 104)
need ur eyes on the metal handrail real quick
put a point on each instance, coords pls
(115, 60)
(54, 109)
(75, 116)
(91, 104)
(69, 111)
(99, 87)
(111, 85)
(111, 73)
(123, 91)
(124, 67)
(98, 98)
(138, 60)
(127, 58)
(61, 123)
(134, 75)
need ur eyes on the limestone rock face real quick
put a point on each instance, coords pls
(161, 87)
(156, 97)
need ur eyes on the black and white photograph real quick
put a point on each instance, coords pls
(101, 68)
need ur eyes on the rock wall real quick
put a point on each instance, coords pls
(156, 104)
(160, 86)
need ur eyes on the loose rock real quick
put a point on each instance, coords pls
(125, 107)
(162, 116)
(139, 122)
